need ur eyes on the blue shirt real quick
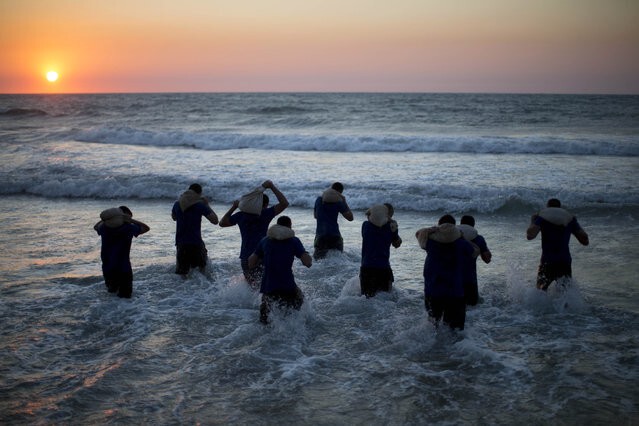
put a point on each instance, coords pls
(444, 268)
(555, 240)
(277, 257)
(326, 215)
(253, 228)
(376, 242)
(188, 228)
(116, 246)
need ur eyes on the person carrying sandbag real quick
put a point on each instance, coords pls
(253, 219)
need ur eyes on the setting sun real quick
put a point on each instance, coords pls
(52, 76)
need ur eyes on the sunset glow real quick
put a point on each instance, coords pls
(351, 45)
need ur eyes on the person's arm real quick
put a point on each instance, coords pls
(282, 202)
(306, 259)
(226, 219)
(253, 260)
(212, 217)
(486, 256)
(143, 226)
(397, 242)
(582, 237)
(348, 214)
(533, 229)
(97, 225)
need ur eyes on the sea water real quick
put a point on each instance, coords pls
(193, 351)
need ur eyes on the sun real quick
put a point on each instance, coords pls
(52, 76)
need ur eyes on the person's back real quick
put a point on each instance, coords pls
(116, 245)
(278, 256)
(187, 213)
(277, 251)
(447, 253)
(189, 223)
(117, 229)
(555, 240)
(376, 243)
(556, 226)
(443, 270)
(379, 232)
(253, 228)
(326, 211)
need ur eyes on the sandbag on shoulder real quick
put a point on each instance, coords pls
(446, 233)
(469, 232)
(331, 196)
(378, 215)
(556, 215)
(253, 201)
(189, 198)
(113, 217)
(280, 232)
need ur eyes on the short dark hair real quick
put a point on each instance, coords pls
(284, 221)
(553, 202)
(337, 186)
(467, 220)
(196, 187)
(126, 210)
(391, 209)
(265, 200)
(446, 219)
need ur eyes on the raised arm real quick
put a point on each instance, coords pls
(144, 227)
(226, 219)
(282, 202)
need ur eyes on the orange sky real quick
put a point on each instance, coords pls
(555, 46)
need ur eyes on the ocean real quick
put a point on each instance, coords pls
(193, 351)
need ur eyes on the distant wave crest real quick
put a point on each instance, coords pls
(537, 144)
(23, 112)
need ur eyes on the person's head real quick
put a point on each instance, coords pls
(467, 220)
(265, 201)
(553, 202)
(391, 210)
(126, 210)
(446, 219)
(196, 187)
(337, 186)
(285, 221)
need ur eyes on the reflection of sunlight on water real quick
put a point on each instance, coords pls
(92, 380)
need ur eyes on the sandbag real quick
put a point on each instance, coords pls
(280, 232)
(378, 215)
(331, 196)
(113, 217)
(253, 201)
(469, 232)
(556, 215)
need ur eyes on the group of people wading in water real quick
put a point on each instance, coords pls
(267, 251)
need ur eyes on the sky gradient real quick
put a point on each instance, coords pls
(511, 46)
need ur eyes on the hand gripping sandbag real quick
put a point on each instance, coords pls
(253, 201)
